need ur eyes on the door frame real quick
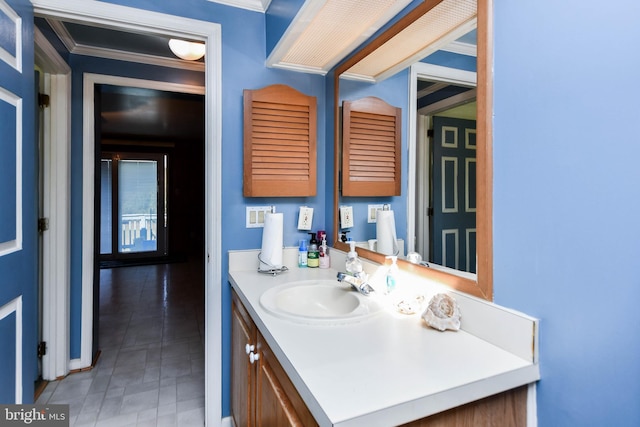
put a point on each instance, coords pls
(56, 207)
(417, 131)
(127, 18)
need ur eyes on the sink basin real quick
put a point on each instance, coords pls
(318, 301)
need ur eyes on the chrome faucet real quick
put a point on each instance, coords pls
(358, 282)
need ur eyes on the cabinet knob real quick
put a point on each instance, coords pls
(253, 357)
(249, 348)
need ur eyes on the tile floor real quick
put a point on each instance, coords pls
(151, 368)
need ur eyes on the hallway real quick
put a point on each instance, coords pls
(151, 367)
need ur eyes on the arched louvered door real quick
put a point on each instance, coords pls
(279, 142)
(371, 144)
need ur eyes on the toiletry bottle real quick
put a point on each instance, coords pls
(354, 265)
(302, 254)
(392, 273)
(313, 260)
(325, 260)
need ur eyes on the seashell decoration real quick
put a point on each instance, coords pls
(409, 305)
(442, 313)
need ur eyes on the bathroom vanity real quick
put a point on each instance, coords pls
(377, 368)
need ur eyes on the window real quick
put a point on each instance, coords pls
(133, 192)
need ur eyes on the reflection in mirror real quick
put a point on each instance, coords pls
(435, 214)
(406, 205)
(442, 196)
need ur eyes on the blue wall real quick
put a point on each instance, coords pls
(566, 205)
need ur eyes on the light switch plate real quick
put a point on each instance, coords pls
(305, 218)
(255, 215)
(372, 209)
(346, 216)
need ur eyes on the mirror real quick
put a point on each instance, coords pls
(481, 284)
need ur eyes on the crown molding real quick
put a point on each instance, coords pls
(255, 5)
(46, 54)
(119, 55)
(461, 48)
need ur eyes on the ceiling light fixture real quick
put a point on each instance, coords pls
(189, 51)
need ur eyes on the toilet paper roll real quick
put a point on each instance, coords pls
(386, 233)
(271, 253)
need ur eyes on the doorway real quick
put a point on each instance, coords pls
(133, 211)
(128, 19)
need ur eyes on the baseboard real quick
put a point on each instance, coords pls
(227, 422)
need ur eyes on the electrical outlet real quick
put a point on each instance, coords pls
(346, 216)
(373, 209)
(255, 215)
(305, 218)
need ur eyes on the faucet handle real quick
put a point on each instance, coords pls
(366, 289)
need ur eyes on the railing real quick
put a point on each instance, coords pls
(139, 233)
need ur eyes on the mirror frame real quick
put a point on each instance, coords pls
(482, 287)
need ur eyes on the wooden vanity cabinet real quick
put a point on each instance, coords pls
(243, 333)
(261, 393)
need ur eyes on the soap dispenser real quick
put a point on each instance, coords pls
(323, 253)
(302, 254)
(392, 273)
(313, 260)
(354, 265)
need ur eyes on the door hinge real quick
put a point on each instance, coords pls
(43, 224)
(431, 133)
(43, 100)
(42, 349)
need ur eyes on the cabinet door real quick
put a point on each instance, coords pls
(277, 401)
(242, 371)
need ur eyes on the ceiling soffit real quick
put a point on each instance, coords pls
(325, 31)
(436, 30)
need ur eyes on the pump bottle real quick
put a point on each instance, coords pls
(302, 254)
(313, 260)
(354, 265)
(392, 273)
(323, 253)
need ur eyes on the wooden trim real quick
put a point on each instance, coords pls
(400, 25)
(483, 286)
(280, 127)
(484, 135)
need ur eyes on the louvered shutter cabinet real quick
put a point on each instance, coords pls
(371, 148)
(279, 142)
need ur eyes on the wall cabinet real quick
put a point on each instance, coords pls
(280, 126)
(261, 393)
(371, 148)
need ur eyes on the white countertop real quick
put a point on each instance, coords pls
(390, 368)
